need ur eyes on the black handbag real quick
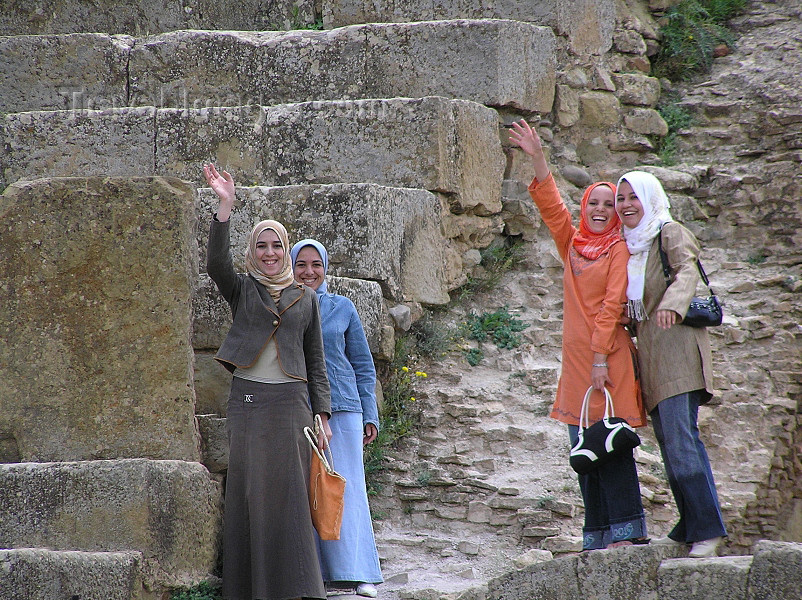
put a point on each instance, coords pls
(704, 311)
(605, 439)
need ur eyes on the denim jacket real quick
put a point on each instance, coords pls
(349, 364)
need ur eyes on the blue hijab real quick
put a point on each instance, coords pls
(324, 255)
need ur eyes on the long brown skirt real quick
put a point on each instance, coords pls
(269, 547)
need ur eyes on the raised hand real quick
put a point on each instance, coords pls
(223, 186)
(525, 137)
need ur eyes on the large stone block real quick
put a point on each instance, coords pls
(150, 16)
(63, 72)
(77, 143)
(41, 574)
(498, 63)
(432, 143)
(587, 24)
(775, 572)
(170, 511)
(96, 359)
(627, 573)
(704, 579)
(388, 235)
(552, 580)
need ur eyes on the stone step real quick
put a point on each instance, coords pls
(103, 368)
(392, 236)
(587, 24)
(152, 16)
(432, 143)
(44, 574)
(492, 62)
(722, 578)
(168, 511)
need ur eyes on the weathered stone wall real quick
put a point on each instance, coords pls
(96, 359)
(654, 573)
(497, 63)
(169, 511)
(150, 16)
(448, 146)
(587, 24)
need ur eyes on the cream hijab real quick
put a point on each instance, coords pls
(639, 238)
(275, 283)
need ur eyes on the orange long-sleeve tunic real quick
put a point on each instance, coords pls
(594, 293)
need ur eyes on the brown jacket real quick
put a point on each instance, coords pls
(677, 360)
(295, 322)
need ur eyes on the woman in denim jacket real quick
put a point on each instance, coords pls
(351, 561)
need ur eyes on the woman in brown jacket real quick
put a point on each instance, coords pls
(675, 359)
(275, 351)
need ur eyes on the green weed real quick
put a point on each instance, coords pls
(474, 356)
(692, 29)
(677, 118)
(202, 591)
(296, 22)
(496, 261)
(500, 326)
(399, 413)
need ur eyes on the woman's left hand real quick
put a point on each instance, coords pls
(370, 434)
(599, 377)
(664, 319)
(326, 431)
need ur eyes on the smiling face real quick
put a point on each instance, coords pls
(269, 253)
(628, 206)
(309, 269)
(600, 209)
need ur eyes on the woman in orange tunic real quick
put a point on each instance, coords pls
(597, 350)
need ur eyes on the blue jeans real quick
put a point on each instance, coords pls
(688, 468)
(613, 507)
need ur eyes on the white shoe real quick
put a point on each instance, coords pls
(667, 541)
(366, 589)
(705, 548)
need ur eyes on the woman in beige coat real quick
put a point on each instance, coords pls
(675, 359)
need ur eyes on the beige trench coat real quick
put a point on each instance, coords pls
(679, 359)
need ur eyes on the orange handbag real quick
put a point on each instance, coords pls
(326, 488)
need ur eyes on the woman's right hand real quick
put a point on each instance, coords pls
(223, 186)
(526, 138)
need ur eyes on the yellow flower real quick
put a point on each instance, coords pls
(412, 398)
(421, 374)
(405, 369)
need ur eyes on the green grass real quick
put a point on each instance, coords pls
(496, 260)
(399, 413)
(500, 326)
(202, 591)
(692, 29)
(677, 118)
(297, 23)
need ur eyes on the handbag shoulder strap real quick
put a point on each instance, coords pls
(667, 267)
(609, 410)
(312, 436)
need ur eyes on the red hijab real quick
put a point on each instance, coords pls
(593, 245)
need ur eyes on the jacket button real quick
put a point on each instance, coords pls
(275, 323)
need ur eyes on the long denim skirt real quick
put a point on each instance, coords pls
(353, 557)
(269, 544)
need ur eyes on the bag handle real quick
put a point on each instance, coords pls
(609, 410)
(312, 437)
(667, 267)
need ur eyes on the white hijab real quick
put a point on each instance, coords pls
(639, 238)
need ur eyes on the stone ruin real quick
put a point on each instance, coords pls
(384, 135)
